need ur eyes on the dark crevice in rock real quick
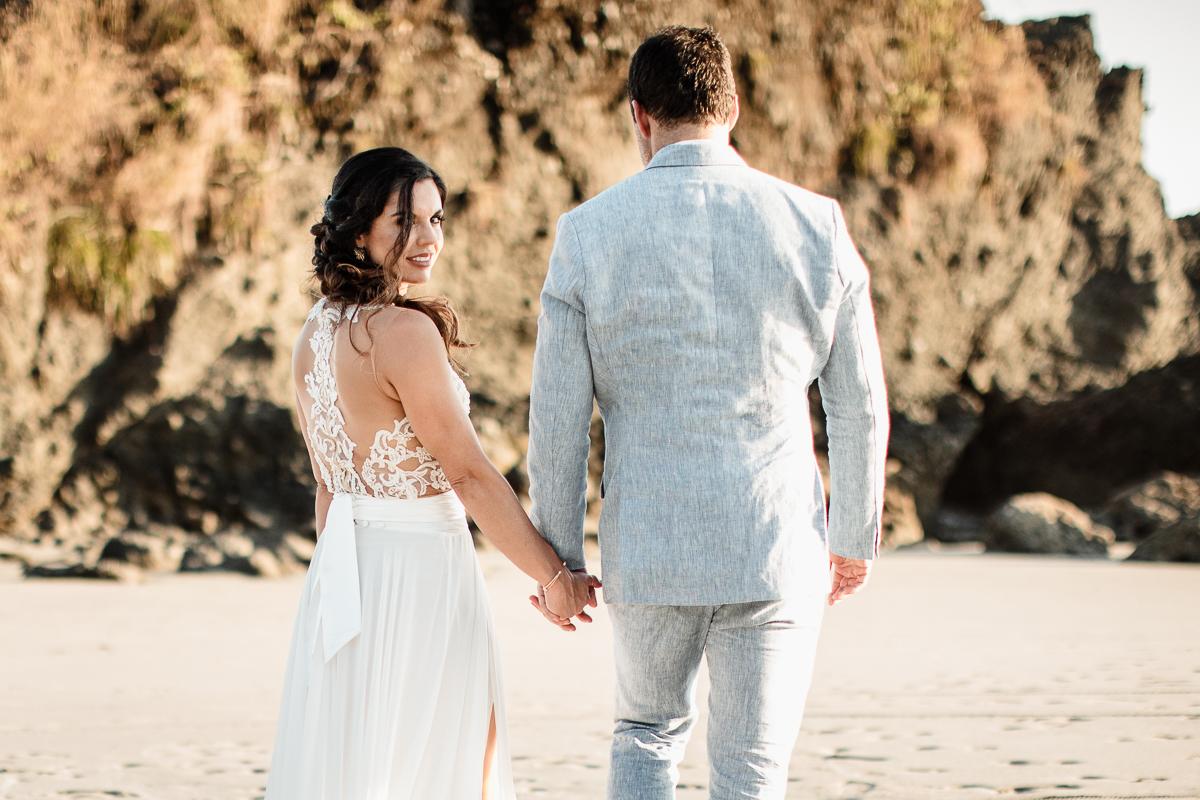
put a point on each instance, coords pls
(6, 474)
(501, 25)
(495, 127)
(578, 191)
(927, 452)
(1107, 311)
(130, 368)
(1115, 89)
(1085, 448)
(1189, 229)
(544, 142)
(1114, 303)
(575, 27)
(529, 120)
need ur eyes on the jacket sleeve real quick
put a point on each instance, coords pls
(855, 400)
(560, 404)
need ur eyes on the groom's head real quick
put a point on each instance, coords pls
(683, 76)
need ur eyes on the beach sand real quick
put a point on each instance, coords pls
(952, 676)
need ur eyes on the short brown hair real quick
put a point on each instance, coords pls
(683, 75)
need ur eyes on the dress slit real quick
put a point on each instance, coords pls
(502, 760)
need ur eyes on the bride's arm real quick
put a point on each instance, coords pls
(412, 358)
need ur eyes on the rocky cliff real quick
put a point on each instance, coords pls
(163, 160)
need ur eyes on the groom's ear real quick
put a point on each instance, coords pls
(641, 118)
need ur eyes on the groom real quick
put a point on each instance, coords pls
(696, 302)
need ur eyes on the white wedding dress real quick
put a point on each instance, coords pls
(394, 670)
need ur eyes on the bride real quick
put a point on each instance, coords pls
(393, 686)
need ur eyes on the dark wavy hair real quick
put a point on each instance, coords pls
(345, 273)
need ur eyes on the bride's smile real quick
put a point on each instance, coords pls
(415, 259)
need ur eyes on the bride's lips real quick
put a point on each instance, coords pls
(422, 260)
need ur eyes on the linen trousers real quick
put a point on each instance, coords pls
(760, 662)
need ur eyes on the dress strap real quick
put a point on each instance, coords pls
(316, 309)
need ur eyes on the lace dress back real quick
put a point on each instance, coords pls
(397, 466)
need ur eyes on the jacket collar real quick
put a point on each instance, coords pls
(696, 153)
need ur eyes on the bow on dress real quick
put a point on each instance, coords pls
(338, 606)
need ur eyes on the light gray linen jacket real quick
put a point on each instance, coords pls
(696, 302)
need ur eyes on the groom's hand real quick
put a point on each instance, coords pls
(580, 590)
(847, 576)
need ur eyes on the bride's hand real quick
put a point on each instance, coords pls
(571, 594)
(568, 597)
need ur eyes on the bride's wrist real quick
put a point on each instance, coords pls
(556, 579)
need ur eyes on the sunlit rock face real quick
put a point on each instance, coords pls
(163, 162)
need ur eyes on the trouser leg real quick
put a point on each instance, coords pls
(760, 662)
(657, 651)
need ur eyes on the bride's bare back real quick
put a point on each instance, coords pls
(359, 437)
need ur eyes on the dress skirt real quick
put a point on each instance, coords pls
(401, 710)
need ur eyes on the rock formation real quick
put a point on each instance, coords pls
(1158, 503)
(164, 159)
(1041, 523)
(1178, 542)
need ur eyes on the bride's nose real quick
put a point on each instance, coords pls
(425, 234)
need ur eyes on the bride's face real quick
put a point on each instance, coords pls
(424, 241)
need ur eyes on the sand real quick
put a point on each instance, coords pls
(953, 676)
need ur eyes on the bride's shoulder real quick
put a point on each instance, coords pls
(407, 328)
(402, 318)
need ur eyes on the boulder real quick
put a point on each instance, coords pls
(1155, 505)
(1179, 542)
(121, 571)
(1042, 523)
(145, 551)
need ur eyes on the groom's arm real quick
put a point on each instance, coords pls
(855, 400)
(560, 404)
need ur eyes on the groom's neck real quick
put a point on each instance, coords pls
(662, 135)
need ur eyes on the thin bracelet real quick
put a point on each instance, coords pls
(553, 580)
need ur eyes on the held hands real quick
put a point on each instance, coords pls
(847, 576)
(567, 597)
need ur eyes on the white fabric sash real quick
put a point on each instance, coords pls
(337, 601)
(335, 605)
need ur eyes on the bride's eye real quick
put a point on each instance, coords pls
(437, 219)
